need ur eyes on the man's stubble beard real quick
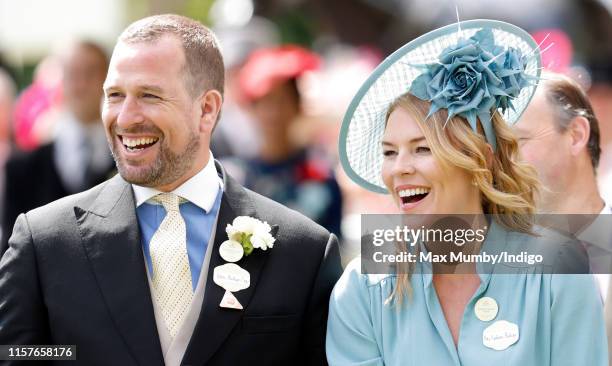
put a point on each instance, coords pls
(167, 168)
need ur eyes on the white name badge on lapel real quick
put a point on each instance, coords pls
(230, 301)
(231, 277)
(500, 335)
(486, 309)
(231, 251)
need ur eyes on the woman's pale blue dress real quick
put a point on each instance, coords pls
(559, 316)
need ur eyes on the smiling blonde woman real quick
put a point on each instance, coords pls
(430, 128)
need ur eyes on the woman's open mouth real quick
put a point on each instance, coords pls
(413, 196)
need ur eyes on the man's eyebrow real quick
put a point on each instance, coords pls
(153, 88)
(147, 87)
(108, 88)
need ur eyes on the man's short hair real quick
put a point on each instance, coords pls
(203, 60)
(569, 101)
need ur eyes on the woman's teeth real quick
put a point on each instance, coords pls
(413, 195)
(413, 192)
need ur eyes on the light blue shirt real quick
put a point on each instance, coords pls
(198, 222)
(202, 193)
(560, 321)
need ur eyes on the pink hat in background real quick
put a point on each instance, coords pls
(269, 67)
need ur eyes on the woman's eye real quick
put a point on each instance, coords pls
(114, 95)
(422, 150)
(388, 153)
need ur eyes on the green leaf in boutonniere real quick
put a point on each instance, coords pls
(250, 233)
(245, 240)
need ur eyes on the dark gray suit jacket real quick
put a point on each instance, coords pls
(74, 274)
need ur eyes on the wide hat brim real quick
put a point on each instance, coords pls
(364, 122)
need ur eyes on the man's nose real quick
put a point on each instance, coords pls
(129, 113)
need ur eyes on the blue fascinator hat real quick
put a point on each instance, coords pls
(471, 69)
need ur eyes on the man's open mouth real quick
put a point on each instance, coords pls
(135, 144)
(413, 195)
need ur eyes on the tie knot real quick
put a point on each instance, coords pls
(170, 201)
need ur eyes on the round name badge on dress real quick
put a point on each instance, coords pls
(231, 251)
(486, 309)
(231, 277)
(500, 335)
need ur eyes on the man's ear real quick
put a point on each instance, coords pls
(210, 107)
(579, 131)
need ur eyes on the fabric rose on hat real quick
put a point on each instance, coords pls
(472, 78)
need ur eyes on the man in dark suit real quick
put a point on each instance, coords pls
(135, 271)
(78, 158)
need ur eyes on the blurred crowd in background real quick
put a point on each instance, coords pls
(292, 68)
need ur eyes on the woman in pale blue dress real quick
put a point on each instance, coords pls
(430, 128)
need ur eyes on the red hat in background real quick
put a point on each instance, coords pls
(266, 68)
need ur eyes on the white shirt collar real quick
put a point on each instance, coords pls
(201, 189)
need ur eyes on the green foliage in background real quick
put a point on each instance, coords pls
(198, 9)
(296, 27)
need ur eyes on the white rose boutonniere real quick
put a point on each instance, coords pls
(250, 233)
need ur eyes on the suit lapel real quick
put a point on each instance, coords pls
(216, 323)
(111, 239)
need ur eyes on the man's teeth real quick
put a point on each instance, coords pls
(131, 142)
(413, 192)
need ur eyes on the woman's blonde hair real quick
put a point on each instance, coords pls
(507, 185)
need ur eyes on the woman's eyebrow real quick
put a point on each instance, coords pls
(412, 141)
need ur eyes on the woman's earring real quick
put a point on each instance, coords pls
(474, 183)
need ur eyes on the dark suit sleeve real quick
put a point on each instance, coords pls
(22, 313)
(12, 195)
(313, 336)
